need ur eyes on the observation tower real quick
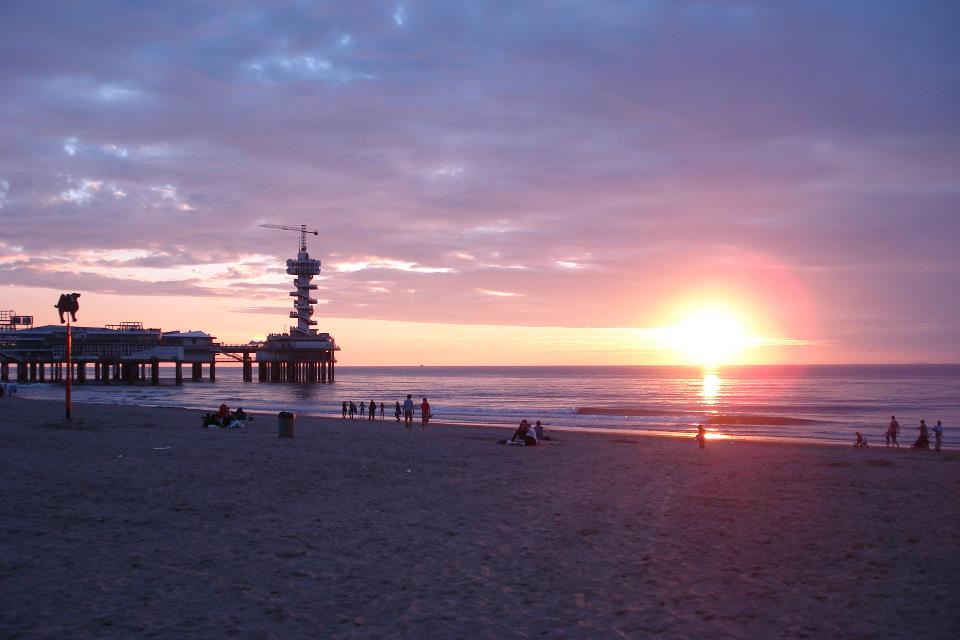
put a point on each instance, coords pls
(303, 354)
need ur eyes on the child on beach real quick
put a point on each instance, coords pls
(343, 409)
(396, 411)
(702, 436)
(859, 442)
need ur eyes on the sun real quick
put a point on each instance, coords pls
(709, 337)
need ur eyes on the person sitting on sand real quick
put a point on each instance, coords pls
(210, 420)
(701, 436)
(524, 435)
(859, 442)
(538, 430)
(923, 440)
(240, 415)
(223, 412)
(938, 435)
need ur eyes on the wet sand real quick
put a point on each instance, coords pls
(136, 522)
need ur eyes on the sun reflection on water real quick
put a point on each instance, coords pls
(710, 388)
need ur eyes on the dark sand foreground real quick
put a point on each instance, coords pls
(137, 523)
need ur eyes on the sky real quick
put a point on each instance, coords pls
(511, 182)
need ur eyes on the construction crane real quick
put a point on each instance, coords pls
(302, 229)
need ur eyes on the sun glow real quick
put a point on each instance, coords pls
(709, 338)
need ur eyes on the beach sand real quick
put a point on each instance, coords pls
(137, 523)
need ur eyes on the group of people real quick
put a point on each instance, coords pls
(226, 419)
(527, 435)
(923, 439)
(7, 389)
(350, 409)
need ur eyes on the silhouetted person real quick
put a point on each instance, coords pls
(381, 411)
(397, 411)
(343, 409)
(425, 414)
(937, 435)
(893, 431)
(372, 411)
(702, 436)
(923, 440)
(353, 409)
(408, 412)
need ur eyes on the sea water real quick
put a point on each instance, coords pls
(825, 402)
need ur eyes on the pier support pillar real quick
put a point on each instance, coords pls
(5, 371)
(178, 376)
(33, 372)
(274, 371)
(262, 371)
(118, 371)
(96, 371)
(81, 373)
(42, 372)
(323, 372)
(213, 372)
(331, 368)
(196, 373)
(21, 372)
(105, 372)
(154, 371)
(247, 368)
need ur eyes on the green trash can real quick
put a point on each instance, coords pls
(286, 421)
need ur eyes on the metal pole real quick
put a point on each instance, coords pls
(69, 365)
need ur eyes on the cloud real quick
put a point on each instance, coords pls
(498, 294)
(625, 152)
(388, 263)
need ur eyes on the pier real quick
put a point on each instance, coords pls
(128, 353)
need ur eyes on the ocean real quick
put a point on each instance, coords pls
(822, 403)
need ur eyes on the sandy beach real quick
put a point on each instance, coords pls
(136, 522)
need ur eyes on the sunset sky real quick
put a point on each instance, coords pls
(495, 182)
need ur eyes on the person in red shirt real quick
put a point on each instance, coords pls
(424, 414)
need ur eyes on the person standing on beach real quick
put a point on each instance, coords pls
(372, 412)
(396, 411)
(938, 436)
(408, 412)
(363, 407)
(353, 409)
(424, 414)
(701, 436)
(923, 440)
(381, 411)
(343, 409)
(893, 431)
